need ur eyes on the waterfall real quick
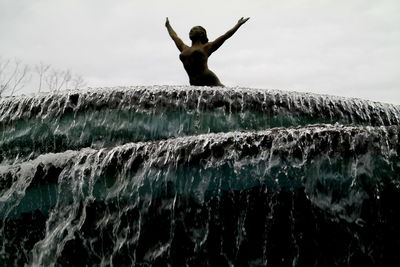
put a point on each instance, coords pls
(197, 176)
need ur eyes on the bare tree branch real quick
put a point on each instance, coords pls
(41, 69)
(67, 78)
(3, 66)
(19, 79)
(14, 76)
(15, 80)
(78, 82)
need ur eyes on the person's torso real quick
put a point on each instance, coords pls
(194, 60)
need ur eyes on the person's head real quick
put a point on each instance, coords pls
(198, 33)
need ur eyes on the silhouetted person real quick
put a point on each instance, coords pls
(195, 57)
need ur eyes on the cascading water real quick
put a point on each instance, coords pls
(192, 176)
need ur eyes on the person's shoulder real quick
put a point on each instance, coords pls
(208, 45)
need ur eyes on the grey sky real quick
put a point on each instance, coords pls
(343, 47)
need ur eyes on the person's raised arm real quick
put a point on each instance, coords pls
(178, 42)
(214, 45)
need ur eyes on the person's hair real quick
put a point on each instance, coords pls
(203, 36)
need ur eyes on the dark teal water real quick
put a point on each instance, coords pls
(197, 176)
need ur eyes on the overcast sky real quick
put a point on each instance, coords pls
(340, 47)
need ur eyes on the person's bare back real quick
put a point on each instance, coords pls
(195, 57)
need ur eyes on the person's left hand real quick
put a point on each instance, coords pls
(242, 21)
